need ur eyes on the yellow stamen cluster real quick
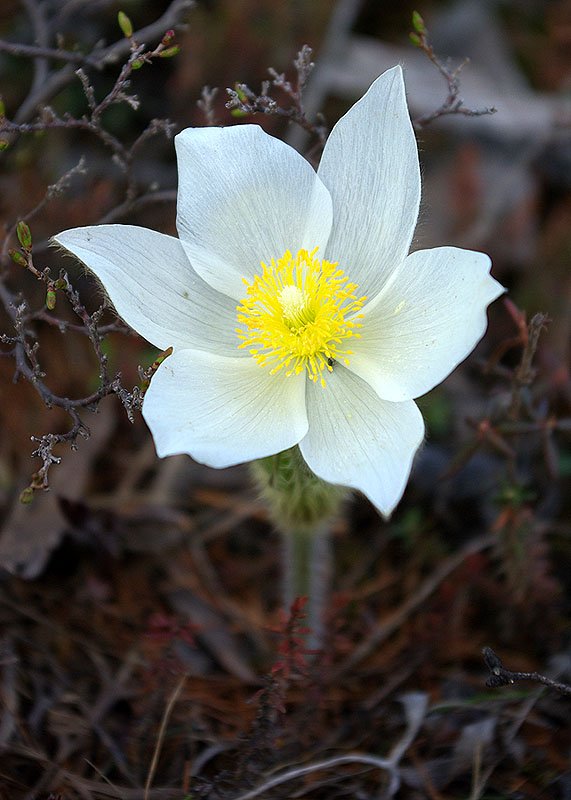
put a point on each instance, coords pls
(298, 314)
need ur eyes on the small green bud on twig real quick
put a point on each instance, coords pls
(27, 496)
(125, 24)
(50, 299)
(4, 145)
(137, 63)
(17, 257)
(418, 23)
(24, 235)
(242, 96)
(160, 358)
(170, 51)
(148, 373)
(415, 39)
(2, 108)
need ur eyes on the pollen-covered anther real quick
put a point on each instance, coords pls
(298, 315)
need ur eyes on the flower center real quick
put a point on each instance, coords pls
(299, 314)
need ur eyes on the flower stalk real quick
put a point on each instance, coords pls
(307, 572)
(302, 507)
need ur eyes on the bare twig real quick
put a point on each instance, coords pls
(206, 104)
(516, 720)
(525, 373)
(52, 191)
(394, 621)
(500, 676)
(162, 730)
(246, 101)
(51, 53)
(24, 351)
(92, 122)
(137, 204)
(415, 709)
(99, 59)
(453, 103)
(23, 345)
(37, 13)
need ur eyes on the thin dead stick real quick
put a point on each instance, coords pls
(168, 711)
(393, 621)
(102, 775)
(509, 736)
(415, 707)
(329, 763)
(501, 676)
(58, 79)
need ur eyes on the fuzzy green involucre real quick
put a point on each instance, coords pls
(296, 498)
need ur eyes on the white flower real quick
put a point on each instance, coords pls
(295, 312)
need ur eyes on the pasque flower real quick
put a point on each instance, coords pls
(296, 313)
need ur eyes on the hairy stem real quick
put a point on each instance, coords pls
(307, 573)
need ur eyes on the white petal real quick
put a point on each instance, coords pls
(358, 440)
(425, 322)
(150, 282)
(245, 197)
(223, 411)
(370, 166)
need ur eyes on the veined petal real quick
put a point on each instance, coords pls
(370, 166)
(358, 440)
(245, 197)
(153, 287)
(427, 320)
(223, 411)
